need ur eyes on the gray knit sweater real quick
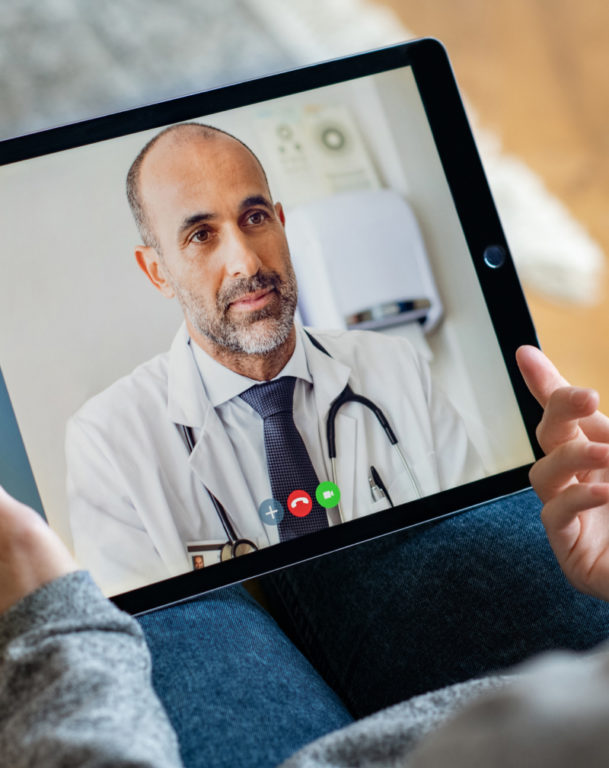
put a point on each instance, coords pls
(75, 687)
(75, 690)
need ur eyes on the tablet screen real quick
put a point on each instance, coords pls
(250, 328)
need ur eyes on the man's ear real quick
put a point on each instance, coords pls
(280, 213)
(150, 263)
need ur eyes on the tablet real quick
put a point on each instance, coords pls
(252, 326)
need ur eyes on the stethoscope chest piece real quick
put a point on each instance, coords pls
(236, 548)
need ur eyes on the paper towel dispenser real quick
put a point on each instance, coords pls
(361, 262)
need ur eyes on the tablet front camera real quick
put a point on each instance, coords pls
(494, 256)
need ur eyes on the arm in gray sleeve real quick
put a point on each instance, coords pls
(75, 685)
(556, 715)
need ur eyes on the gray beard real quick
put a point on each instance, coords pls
(261, 331)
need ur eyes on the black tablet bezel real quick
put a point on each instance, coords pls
(481, 226)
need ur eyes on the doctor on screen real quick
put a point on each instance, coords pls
(219, 446)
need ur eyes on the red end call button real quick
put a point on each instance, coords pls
(300, 503)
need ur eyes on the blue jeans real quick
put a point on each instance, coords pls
(363, 629)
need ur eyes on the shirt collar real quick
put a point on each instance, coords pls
(221, 384)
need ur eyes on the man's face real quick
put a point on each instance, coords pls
(223, 250)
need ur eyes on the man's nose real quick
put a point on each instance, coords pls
(241, 258)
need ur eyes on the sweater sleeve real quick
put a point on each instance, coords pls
(555, 713)
(75, 684)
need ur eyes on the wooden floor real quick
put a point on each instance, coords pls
(537, 72)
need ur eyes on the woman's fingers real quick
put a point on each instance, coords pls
(565, 408)
(561, 511)
(543, 379)
(596, 427)
(554, 472)
(30, 553)
(539, 373)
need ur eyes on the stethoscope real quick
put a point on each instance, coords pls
(235, 546)
(349, 396)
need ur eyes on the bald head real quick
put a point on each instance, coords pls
(172, 139)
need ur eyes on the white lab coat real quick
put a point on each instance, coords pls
(136, 497)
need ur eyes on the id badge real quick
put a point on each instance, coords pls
(202, 554)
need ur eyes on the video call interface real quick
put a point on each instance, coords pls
(229, 333)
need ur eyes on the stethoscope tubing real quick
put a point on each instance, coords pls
(349, 396)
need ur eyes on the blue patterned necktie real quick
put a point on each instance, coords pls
(287, 458)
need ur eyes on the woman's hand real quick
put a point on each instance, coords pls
(572, 479)
(30, 553)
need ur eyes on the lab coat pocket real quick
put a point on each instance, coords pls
(402, 489)
(380, 505)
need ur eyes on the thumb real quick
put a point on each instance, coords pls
(539, 374)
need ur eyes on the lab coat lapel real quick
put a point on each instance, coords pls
(213, 458)
(214, 461)
(187, 402)
(330, 377)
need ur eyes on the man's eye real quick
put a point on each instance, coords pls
(257, 217)
(201, 236)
